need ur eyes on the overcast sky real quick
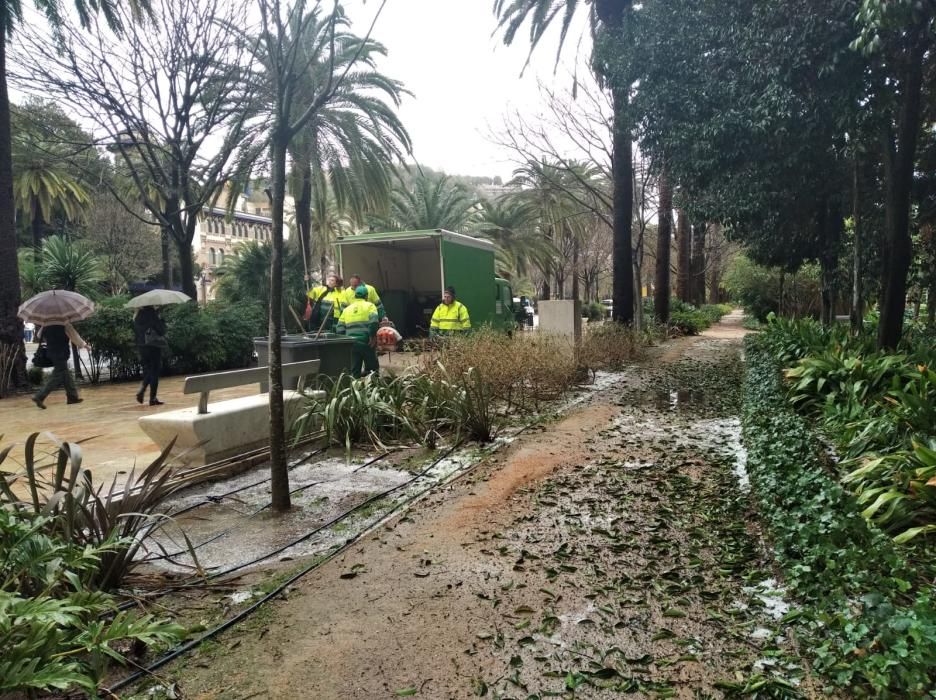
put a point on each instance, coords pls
(464, 79)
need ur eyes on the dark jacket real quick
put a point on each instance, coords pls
(145, 320)
(57, 342)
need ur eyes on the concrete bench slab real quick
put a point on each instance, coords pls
(232, 427)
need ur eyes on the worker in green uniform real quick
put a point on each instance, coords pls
(355, 281)
(450, 317)
(359, 320)
(326, 304)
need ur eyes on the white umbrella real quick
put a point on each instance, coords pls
(158, 297)
(56, 307)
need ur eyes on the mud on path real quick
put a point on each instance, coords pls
(611, 552)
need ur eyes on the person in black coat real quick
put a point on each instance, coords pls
(150, 332)
(58, 339)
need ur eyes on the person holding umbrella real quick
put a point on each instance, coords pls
(55, 311)
(149, 330)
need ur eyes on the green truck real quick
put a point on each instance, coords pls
(411, 268)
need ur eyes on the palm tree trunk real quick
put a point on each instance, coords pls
(11, 328)
(576, 295)
(37, 226)
(622, 175)
(304, 212)
(683, 256)
(661, 283)
(279, 483)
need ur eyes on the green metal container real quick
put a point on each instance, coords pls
(333, 351)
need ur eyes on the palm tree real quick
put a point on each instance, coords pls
(431, 202)
(510, 223)
(11, 13)
(562, 196)
(40, 189)
(70, 265)
(610, 23)
(346, 151)
(245, 277)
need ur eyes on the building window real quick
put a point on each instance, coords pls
(211, 257)
(221, 256)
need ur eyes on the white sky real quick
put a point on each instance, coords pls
(464, 79)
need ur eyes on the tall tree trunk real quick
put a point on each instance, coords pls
(186, 268)
(899, 160)
(575, 270)
(697, 265)
(11, 328)
(304, 216)
(37, 225)
(622, 172)
(931, 302)
(661, 284)
(714, 282)
(279, 483)
(166, 255)
(683, 257)
(830, 227)
(857, 295)
(546, 291)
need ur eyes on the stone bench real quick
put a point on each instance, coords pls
(208, 433)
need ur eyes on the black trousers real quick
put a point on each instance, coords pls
(152, 363)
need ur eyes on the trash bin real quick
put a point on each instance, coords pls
(333, 351)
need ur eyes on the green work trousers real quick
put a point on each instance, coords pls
(363, 356)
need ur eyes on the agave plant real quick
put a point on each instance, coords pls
(116, 522)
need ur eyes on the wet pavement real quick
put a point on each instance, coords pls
(108, 414)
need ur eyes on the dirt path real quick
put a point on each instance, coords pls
(611, 552)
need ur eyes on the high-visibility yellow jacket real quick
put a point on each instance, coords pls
(449, 319)
(359, 321)
(331, 304)
(373, 297)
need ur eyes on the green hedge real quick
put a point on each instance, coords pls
(869, 628)
(201, 338)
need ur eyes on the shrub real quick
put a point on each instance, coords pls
(196, 343)
(35, 375)
(113, 345)
(51, 631)
(594, 311)
(868, 624)
(688, 322)
(239, 324)
(610, 346)
(114, 524)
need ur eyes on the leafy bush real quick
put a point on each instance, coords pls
(688, 322)
(35, 375)
(201, 338)
(116, 524)
(869, 625)
(51, 631)
(110, 334)
(878, 407)
(594, 311)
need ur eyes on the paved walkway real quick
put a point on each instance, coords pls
(109, 412)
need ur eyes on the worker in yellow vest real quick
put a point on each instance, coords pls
(325, 304)
(359, 321)
(450, 317)
(355, 281)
